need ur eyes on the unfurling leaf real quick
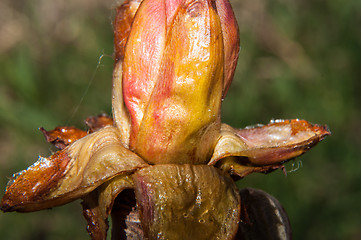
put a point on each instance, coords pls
(70, 173)
(265, 148)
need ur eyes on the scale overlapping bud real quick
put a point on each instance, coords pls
(179, 60)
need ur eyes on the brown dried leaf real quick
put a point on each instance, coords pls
(97, 122)
(26, 189)
(70, 173)
(265, 148)
(61, 137)
(186, 202)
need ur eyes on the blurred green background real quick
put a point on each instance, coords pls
(298, 59)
